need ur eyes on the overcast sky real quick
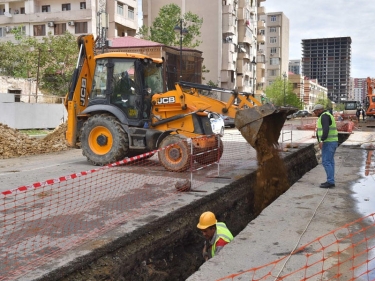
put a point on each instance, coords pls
(310, 19)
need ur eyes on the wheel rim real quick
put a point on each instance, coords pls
(173, 154)
(100, 140)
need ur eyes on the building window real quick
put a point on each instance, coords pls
(22, 10)
(262, 32)
(130, 12)
(273, 40)
(65, 7)
(273, 50)
(273, 18)
(120, 8)
(82, 5)
(274, 61)
(80, 27)
(273, 72)
(46, 8)
(39, 30)
(272, 29)
(59, 28)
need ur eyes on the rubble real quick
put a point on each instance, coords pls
(14, 143)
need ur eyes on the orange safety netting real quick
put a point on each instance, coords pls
(346, 253)
(41, 221)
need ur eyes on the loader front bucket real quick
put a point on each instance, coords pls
(261, 127)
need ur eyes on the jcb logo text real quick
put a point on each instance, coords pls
(82, 99)
(166, 100)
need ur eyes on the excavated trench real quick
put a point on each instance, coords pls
(169, 248)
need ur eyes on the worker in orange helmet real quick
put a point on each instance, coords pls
(216, 233)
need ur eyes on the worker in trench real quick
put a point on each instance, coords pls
(217, 234)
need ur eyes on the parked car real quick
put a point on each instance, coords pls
(228, 121)
(302, 113)
(217, 123)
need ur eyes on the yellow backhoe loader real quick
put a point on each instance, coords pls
(118, 107)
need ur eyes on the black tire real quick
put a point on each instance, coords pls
(103, 140)
(212, 156)
(177, 156)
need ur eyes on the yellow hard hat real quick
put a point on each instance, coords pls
(206, 220)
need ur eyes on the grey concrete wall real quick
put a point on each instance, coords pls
(20, 115)
(7, 97)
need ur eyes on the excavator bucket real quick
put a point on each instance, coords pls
(261, 127)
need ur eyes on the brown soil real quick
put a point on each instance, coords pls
(13, 143)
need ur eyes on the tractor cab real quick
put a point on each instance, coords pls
(127, 83)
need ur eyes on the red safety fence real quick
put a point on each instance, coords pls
(41, 221)
(346, 253)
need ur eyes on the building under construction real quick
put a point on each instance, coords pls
(328, 61)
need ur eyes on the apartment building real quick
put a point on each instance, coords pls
(298, 82)
(229, 35)
(358, 89)
(295, 66)
(276, 46)
(39, 18)
(328, 60)
(309, 92)
(313, 92)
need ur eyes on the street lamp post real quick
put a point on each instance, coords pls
(183, 31)
(254, 78)
(284, 75)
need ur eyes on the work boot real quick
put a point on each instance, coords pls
(327, 185)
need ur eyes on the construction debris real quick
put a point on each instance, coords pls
(14, 143)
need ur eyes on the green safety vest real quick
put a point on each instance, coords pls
(332, 134)
(221, 232)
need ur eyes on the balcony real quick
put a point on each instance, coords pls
(243, 68)
(226, 76)
(243, 56)
(261, 24)
(228, 9)
(228, 25)
(261, 65)
(241, 14)
(261, 11)
(261, 38)
(227, 64)
(243, 85)
(71, 15)
(242, 4)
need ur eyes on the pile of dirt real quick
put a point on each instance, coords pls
(14, 143)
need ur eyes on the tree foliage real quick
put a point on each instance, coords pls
(162, 29)
(50, 60)
(275, 93)
(326, 102)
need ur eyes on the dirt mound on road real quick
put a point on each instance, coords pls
(13, 143)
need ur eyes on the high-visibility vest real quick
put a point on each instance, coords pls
(332, 133)
(221, 232)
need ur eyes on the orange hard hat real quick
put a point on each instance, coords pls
(206, 220)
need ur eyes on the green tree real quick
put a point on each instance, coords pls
(51, 60)
(275, 93)
(57, 72)
(323, 100)
(162, 29)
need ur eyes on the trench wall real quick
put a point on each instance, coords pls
(169, 247)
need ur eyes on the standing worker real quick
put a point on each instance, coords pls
(327, 136)
(216, 233)
(358, 114)
(363, 114)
